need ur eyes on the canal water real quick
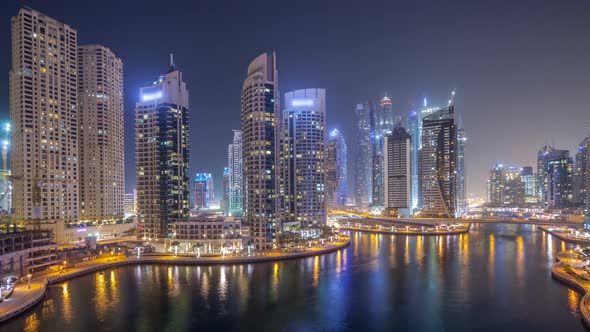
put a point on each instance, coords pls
(495, 278)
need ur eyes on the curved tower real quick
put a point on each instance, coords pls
(259, 119)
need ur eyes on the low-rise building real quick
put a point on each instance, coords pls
(28, 251)
(209, 233)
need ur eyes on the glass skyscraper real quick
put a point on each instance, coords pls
(363, 157)
(302, 157)
(204, 190)
(161, 154)
(235, 175)
(336, 170)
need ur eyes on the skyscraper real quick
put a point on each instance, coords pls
(439, 164)
(581, 166)
(506, 188)
(302, 157)
(260, 110)
(44, 117)
(413, 126)
(461, 176)
(381, 125)
(226, 190)
(235, 175)
(101, 134)
(559, 179)
(529, 184)
(363, 157)
(398, 172)
(204, 190)
(161, 154)
(545, 154)
(336, 171)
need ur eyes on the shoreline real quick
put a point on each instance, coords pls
(562, 237)
(558, 273)
(39, 284)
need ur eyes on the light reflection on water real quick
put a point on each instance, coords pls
(494, 278)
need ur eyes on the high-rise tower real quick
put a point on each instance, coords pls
(44, 117)
(302, 161)
(236, 185)
(204, 190)
(398, 171)
(545, 154)
(439, 164)
(363, 157)
(161, 154)
(336, 170)
(101, 134)
(260, 110)
(581, 166)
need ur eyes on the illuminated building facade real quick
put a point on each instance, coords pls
(236, 184)
(545, 154)
(505, 187)
(529, 184)
(336, 171)
(260, 109)
(559, 179)
(44, 117)
(204, 190)
(413, 126)
(439, 164)
(302, 157)
(581, 166)
(398, 171)
(363, 157)
(225, 191)
(381, 124)
(101, 134)
(162, 155)
(461, 172)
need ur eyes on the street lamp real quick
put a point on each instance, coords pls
(29, 280)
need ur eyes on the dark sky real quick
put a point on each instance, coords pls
(521, 68)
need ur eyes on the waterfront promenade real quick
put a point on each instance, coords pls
(392, 228)
(563, 233)
(577, 278)
(24, 298)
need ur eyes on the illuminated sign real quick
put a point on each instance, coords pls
(81, 230)
(302, 102)
(151, 96)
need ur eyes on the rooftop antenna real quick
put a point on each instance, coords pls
(452, 97)
(171, 59)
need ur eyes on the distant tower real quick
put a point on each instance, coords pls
(260, 112)
(439, 164)
(581, 166)
(236, 184)
(336, 171)
(226, 189)
(162, 154)
(363, 157)
(398, 172)
(101, 134)
(302, 165)
(413, 126)
(529, 184)
(204, 190)
(381, 125)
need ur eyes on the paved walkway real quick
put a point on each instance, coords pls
(23, 298)
(577, 278)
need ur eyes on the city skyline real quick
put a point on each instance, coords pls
(485, 105)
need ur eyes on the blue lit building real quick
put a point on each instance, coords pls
(413, 125)
(302, 157)
(336, 171)
(161, 154)
(363, 157)
(203, 190)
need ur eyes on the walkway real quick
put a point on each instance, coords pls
(577, 278)
(23, 298)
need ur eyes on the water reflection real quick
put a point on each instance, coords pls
(381, 282)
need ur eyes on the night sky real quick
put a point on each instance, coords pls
(521, 68)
